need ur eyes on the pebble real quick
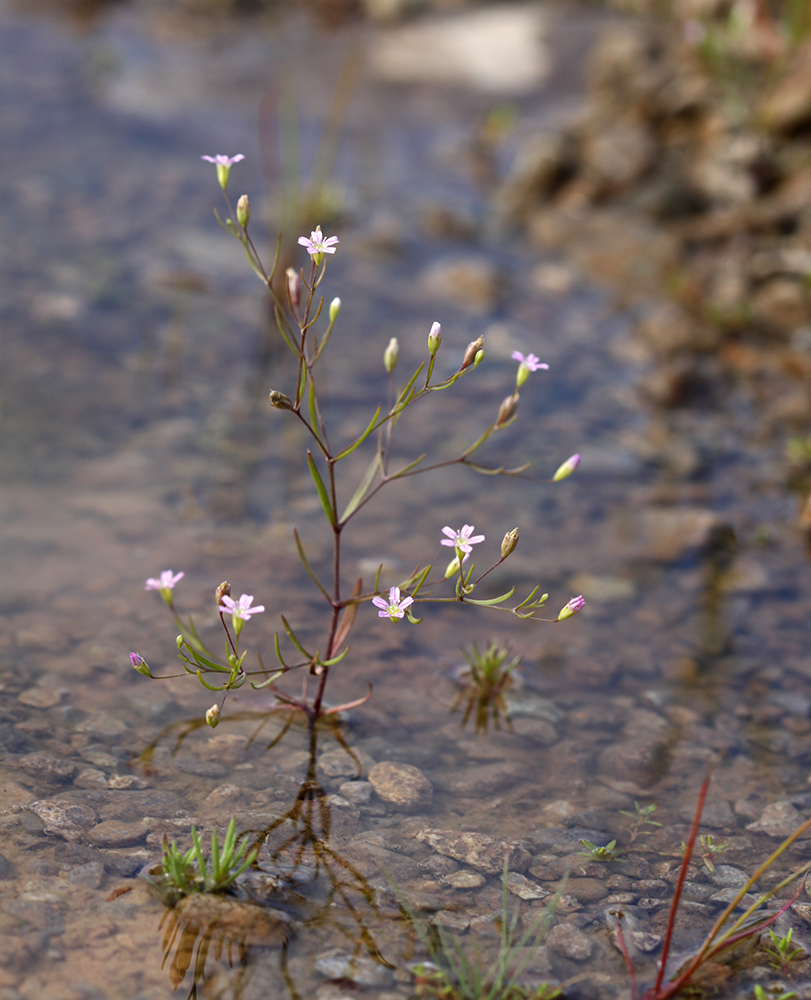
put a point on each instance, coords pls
(68, 820)
(451, 920)
(40, 697)
(522, 703)
(569, 941)
(484, 853)
(359, 793)
(125, 782)
(114, 833)
(90, 875)
(725, 896)
(357, 969)
(519, 885)
(403, 786)
(90, 777)
(538, 730)
(223, 797)
(621, 898)
(652, 887)
(339, 764)
(586, 890)
(778, 819)
(464, 880)
(7, 869)
(482, 779)
(200, 768)
(43, 765)
(726, 876)
(102, 724)
(650, 905)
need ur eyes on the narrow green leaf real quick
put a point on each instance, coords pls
(311, 407)
(335, 659)
(408, 468)
(412, 619)
(210, 687)
(292, 637)
(280, 325)
(495, 600)
(402, 400)
(527, 599)
(268, 682)
(360, 492)
(308, 567)
(279, 656)
(323, 496)
(359, 441)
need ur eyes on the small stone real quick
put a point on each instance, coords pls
(7, 869)
(438, 865)
(621, 898)
(569, 941)
(359, 793)
(357, 969)
(43, 765)
(90, 777)
(568, 904)
(537, 730)
(586, 890)
(650, 905)
(127, 781)
(727, 876)
(484, 853)
(102, 724)
(451, 921)
(464, 880)
(223, 797)
(652, 887)
(113, 833)
(40, 697)
(90, 875)
(524, 888)
(200, 768)
(778, 819)
(68, 820)
(644, 940)
(479, 780)
(401, 785)
(340, 764)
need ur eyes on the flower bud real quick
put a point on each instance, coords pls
(575, 605)
(509, 542)
(280, 401)
(478, 359)
(140, 664)
(566, 469)
(213, 716)
(453, 567)
(243, 211)
(471, 351)
(224, 590)
(334, 309)
(391, 355)
(435, 338)
(293, 286)
(507, 411)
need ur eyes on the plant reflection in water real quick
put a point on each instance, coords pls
(297, 878)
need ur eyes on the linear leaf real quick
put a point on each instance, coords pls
(291, 635)
(359, 441)
(348, 617)
(495, 600)
(408, 468)
(323, 496)
(360, 492)
(308, 567)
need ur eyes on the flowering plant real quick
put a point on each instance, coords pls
(297, 311)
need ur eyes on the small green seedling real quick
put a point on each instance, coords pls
(596, 853)
(761, 993)
(707, 850)
(641, 818)
(782, 951)
(182, 874)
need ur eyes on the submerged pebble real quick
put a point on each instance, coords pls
(403, 786)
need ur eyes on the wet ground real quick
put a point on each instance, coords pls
(136, 437)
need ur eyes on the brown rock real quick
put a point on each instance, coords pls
(401, 785)
(113, 833)
(484, 853)
(781, 306)
(569, 941)
(586, 890)
(789, 104)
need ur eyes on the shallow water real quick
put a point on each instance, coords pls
(136, 437)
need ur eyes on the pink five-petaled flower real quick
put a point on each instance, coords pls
(393, 607)
(530, 361)
(240, 609)
(224, 161)
(461, 539)
(166, 582)
(316, 244)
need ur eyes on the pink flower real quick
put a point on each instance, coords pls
(166, 582)
(240, 609)
(224, 161)
(530, 361)
(571, 608)
(316, 244)
(393, 607)
(461, 539)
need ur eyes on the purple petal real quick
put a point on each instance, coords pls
(394, 595)
(379, 602)
(447, 541)
(518, 356)
(466, 530)
(406, 603)
(382, 614)
(475, 539)
(449, 532)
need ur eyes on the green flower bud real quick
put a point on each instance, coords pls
(280, 401)
(509, 543)
(140, 664)
(334, 309)
(478, 359)
(453, 569)
(571, 608)
(566, 469)
(213, 716)
(243, 211)
(435, 339)
(391, 355)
